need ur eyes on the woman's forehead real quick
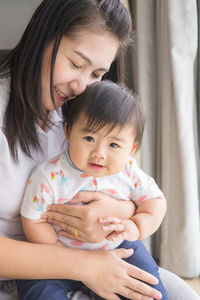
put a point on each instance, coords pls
(94, 47)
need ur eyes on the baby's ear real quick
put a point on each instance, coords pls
(66, 133)
(134, 149)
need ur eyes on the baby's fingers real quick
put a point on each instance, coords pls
(114, 236)
(113, 227)
(111, 220)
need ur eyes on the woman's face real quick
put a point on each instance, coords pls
(80, 61)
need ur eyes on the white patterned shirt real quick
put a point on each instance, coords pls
(58, 181)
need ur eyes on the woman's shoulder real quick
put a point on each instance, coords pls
(4, 94)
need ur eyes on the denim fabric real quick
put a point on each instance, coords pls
(58, 289)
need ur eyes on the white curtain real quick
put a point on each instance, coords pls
(164, 58)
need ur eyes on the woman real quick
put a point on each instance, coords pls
(67, 45)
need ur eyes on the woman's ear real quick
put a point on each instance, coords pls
(134, 149)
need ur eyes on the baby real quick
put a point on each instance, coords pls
(104, 127)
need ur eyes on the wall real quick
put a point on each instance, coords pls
(14, 15)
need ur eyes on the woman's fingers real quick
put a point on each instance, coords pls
(138, 288)
(121, 277)
(89, 232)
(70, 215)
(66, 209)
(123, 253)
(63, 220)
(132, 294)
(137, 279)
(71, 232)
(64, 226)
(140, 274)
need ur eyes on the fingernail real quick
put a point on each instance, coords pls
(48, 207)
(159, 295)
(50, 220)
(156, 281)
(130, 250)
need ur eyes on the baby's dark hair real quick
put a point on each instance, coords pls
(107, 104)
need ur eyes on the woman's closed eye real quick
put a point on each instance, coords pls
(76, 66)
(97, 76)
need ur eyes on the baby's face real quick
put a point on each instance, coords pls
(100, 153)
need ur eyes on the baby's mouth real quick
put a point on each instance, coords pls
(96, 166)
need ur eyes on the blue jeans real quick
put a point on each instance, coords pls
(58, 289)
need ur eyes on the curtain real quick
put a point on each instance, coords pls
(198, 92)
(163, 62)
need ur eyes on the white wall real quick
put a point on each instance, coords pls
(14, 15)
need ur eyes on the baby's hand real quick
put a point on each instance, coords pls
(123, 229)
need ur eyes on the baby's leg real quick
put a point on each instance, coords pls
(51, 289)
(142, 259)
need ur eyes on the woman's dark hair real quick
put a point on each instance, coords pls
(107, 104)
(51, 21)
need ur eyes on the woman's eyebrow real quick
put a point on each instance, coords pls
(88, 60)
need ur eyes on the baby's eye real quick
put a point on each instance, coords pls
(89, 139)
(114, 145)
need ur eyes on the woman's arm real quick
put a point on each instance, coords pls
(86, 217)
(34, 261)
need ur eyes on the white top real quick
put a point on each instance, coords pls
(13, 176)
(58, 181)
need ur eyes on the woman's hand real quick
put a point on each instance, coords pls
(81, 222)
(108, 275)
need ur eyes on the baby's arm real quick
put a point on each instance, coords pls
(145, 222)
(37, 196)
(150, 208)
(149, 216)
(39, 231)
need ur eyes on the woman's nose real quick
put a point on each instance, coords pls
(78, 85)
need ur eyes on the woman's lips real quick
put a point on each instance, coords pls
(60, 96)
